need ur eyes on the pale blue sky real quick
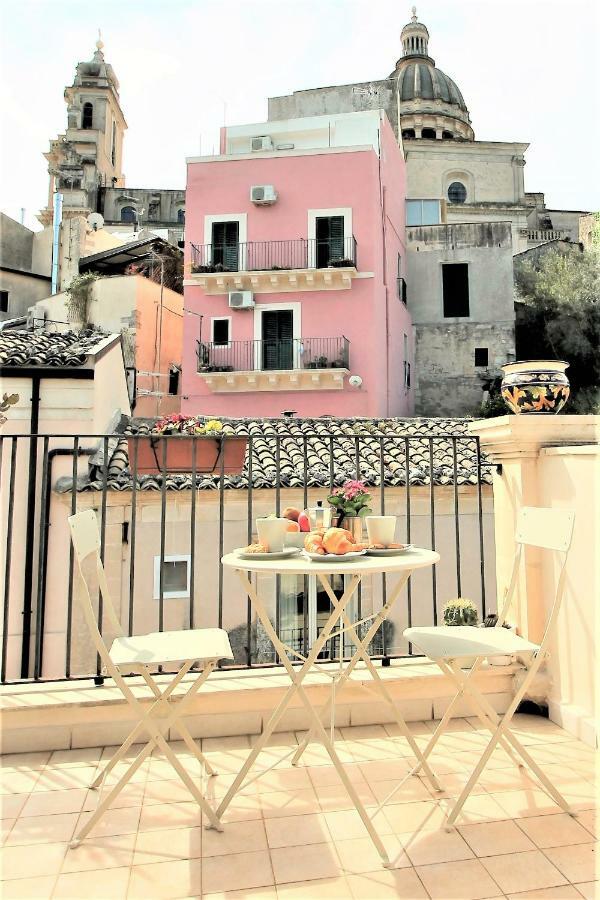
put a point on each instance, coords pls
(527, 70)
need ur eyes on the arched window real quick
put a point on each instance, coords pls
(408, 133)
(128, 214)
(181, 216)
(428, 134)
(447, 136)
(88, 115)
(457, 192)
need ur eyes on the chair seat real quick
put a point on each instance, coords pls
(450, 641)
(170, 647)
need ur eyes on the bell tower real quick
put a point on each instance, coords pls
(88, 156)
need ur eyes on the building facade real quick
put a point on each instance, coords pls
(295, 266)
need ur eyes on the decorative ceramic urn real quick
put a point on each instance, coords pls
(535, 386)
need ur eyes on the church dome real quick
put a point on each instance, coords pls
(431, 104)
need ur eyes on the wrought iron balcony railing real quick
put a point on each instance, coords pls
(274, 355)
(265, 256)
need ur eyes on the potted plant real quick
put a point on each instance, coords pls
(352, 504)
(199, 269)
(340, 262)
(535, 386)
(321, 362)
(170, 447)
(461, 611)
(338, 364)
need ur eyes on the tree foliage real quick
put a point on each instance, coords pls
(559, 318)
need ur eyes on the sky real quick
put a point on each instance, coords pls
(527, 69)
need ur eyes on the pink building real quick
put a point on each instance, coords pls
(295, 265)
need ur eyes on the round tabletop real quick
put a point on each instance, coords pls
(365, 565)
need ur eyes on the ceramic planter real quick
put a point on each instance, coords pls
(213, 455)
(538, 387)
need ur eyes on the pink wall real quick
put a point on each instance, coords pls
(148, 327)
(369, 314)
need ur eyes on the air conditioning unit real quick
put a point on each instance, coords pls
(263, 194)
(241, 300)
(263, 142)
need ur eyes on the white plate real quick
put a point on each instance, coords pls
(279, 554)
(390, 551)
(338, 557)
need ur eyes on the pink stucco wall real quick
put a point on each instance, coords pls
(369, 314)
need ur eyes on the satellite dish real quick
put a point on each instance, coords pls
(355, 381)
(95, 221)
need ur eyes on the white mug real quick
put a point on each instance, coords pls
(272, 532)
(381, 529)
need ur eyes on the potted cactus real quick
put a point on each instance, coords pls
(461, 611)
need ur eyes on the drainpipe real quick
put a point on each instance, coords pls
(30, 528)
(56, 223)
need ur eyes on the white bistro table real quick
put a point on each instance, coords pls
(357, 568)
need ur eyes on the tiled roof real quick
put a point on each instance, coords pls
(356, 446)
(65, 349)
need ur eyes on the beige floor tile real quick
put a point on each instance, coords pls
(98, 885)
(363, 732)
(562, 892)
(415, 728)
(385, 770)
(261, 893)
(590, 819)
(100, 853)
(40, 829)
(529, 871)
(520, 804)
(326, 776)
(28, 888)
(431, 847)
(42, 859)
(378, 749)
(12, 782)
(114, 821)
(589, 889)
(464, 880)
(412, 790)
(420, 816)
(387, 884)
(166, 791)
(170, 845)
(555, 831)
(170, 815)
(12, 804)
(6, 828)
(335, 797)
(24, 762)
(166, 880)
(287, 803)
(476, 808)
(237, 837)
(360, 854)
(293, 831)
(495, 838)
(130, 795)
(238, 872)
(321, 889)
(343, 825)
(292, 779)
(66, 759)
(513, 778)
(305, 863)
(65, 779)
(44, 803)
(580, 862)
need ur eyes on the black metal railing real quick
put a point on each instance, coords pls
(163, 535)
(267, 355)
(272, 256)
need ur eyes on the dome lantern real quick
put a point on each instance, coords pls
(415, 37)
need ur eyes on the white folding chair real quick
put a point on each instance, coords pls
(548, 529)
(140, 655)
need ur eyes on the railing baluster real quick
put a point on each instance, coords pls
(163, 515)
(456, 522)
(71, 560)
(407, 480)
(43, 538)
(193, 535)
(480, 522)
(249, 539)
(432, 526)
(99, 679)
(382, 503)
(8, 557)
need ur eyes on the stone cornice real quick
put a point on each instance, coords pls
(517, 437)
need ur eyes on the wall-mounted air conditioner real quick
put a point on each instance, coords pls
(263, 194)
(263, 142)
(241, 300)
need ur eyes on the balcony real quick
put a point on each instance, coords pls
(274, 266)
(266, 365)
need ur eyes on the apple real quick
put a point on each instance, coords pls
(304, 522)
(290, 512)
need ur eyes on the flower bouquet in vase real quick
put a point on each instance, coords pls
(351, 503)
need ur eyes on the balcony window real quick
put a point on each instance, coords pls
(225, 245)
(277, 339)
(455, 286)
(220, 332)
(423, 212)
(329, 232)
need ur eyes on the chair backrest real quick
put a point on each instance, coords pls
(548, 529)
(85, 535)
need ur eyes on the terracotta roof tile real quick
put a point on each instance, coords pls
(65, 349)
